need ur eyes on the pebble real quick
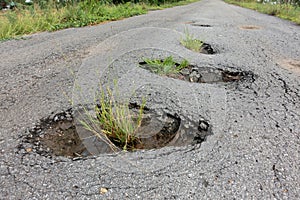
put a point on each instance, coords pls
(194, 76)
(203, 126)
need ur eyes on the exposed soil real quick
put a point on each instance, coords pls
(291, 65)
(145, 137)
(152, 140)
(55, 135)
(250, 27)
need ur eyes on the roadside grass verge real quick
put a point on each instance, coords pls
(35, 18)
(284, 11)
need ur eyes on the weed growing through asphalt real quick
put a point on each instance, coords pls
(115, 123)
(164, 67)
(191, 43)
(289, 10)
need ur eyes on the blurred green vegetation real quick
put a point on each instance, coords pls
(51, 15)
(287, 9)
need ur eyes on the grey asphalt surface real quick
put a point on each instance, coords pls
(254, 152)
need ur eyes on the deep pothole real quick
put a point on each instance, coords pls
(196, 74)
(62, 135)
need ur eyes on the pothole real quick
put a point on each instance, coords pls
(207, 49)
(148, 136)
(199, 47)
(201, 25)
(194, 23)
(250, 27)
(159, 127)
(196, 45)
(60, 134)
(54, 136)
(197, 74)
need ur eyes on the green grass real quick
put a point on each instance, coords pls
(284, 11)
(50, 17)
(191, 43)
(165, 67)
(115, 122)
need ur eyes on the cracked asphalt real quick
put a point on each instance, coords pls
(254, 152)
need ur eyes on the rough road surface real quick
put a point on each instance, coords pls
(254, 152)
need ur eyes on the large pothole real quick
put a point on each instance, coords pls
(65, 135)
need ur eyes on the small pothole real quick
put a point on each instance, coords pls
(201, 25)
(207, 49)
(194, 23)
(194, 44)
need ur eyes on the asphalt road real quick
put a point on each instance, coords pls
(254, 152)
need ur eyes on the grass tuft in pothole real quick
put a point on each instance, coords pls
(164, 67)
(194, 44)
(190, 42)
(115, 122)
(192, 73)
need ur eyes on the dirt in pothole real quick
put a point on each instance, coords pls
(250, 27)
(169, 126)
(55, 135)
(155, 130)
(63, 140)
